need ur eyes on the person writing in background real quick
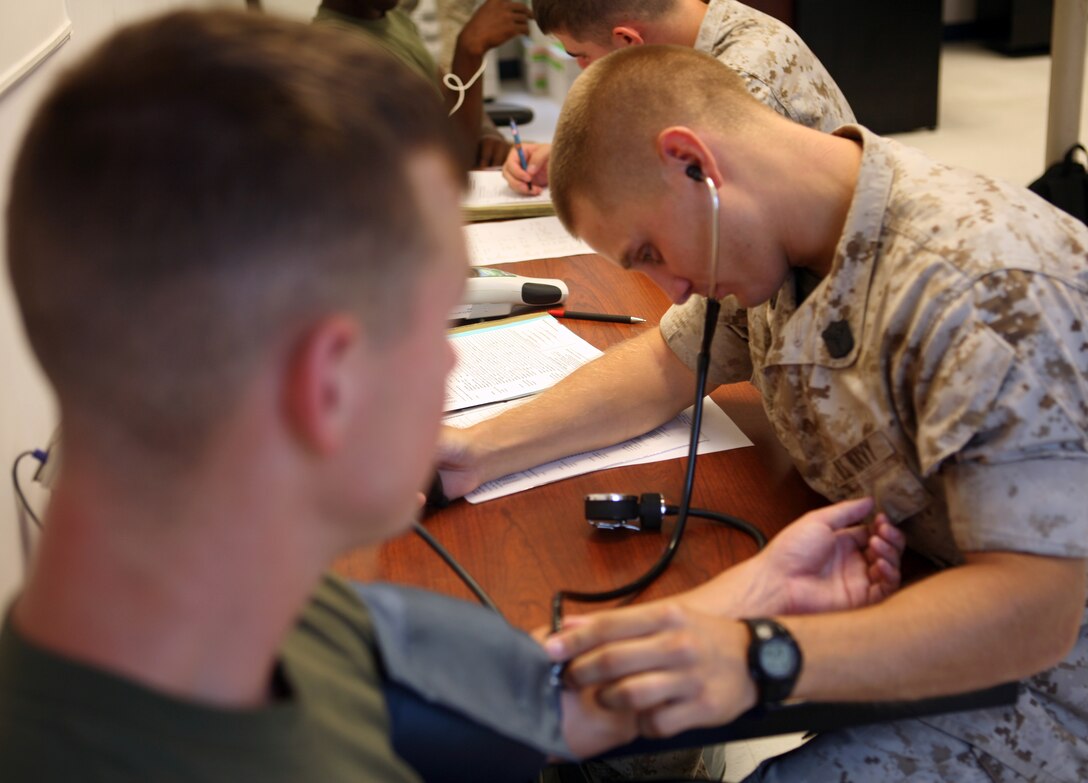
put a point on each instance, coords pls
(917, 334)
(775, 64)
(234, 261)
(493, 23)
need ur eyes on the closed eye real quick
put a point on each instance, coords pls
(639, 256)
(643, 255)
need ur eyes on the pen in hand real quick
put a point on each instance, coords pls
(517, 145)
(608, 317)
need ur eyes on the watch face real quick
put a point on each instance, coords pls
(777, 658)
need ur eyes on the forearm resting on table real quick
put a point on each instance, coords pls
(636, 386)
(1000, 617)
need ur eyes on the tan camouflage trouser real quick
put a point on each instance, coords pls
(674, 765)
(908, 751)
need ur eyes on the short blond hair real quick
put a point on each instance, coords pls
(604, 142)
(593, 20)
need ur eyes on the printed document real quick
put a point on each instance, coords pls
(490, 198)
(521, 240)
(502, 360)
(501, 363)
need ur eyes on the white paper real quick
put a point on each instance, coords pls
(489, 189)
(669, 441)
(512, 359)
(520, 240)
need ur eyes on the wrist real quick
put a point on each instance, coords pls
(758, 590)
(471, 46)
(486, 453)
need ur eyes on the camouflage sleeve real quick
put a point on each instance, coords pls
(1002, 411)
(682, 328)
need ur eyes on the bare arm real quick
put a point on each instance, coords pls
(493, 23)
(1001, 616)
(633, 388)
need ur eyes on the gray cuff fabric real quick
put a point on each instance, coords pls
(468, 659)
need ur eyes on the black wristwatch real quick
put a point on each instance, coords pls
(774, 660)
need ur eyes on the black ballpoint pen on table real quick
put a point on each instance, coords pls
(608, 317)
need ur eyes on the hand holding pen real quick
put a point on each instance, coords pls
(526, 166)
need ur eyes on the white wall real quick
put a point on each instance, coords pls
(302, 10)
(27, 414)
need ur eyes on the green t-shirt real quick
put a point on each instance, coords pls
(395, 32)
(64, 721)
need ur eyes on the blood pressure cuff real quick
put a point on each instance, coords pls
(467, 693)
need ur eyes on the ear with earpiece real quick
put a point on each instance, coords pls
(694, 172)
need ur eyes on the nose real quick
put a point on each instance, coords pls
(678, 289)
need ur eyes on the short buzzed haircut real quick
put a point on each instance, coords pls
(593, 20)
(604, 144)
(197, 187)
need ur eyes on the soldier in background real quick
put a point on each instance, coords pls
(385, 23)
(775, 64)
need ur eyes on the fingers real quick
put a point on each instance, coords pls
(886, 542)
(884, 554)
(528, 181)
(572, 621)
(859, 534)
(519, 179)
(882, 549)
(884, 580)
(648, 691)
(597, 629)
(670, 650)
(844, 514)
(494, 23)
(536, 160)
(890, 533)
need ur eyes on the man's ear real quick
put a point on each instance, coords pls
(679, 148)
(625, 35)
(323, 380)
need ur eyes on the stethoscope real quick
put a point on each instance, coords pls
(611, 511)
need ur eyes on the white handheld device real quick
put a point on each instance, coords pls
(492, 292)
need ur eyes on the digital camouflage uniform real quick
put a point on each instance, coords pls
(776, 65)
(942, 367)
(782, 72)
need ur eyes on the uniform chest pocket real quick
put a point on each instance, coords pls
(873, 467)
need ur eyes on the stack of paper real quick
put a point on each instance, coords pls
(511, 358)
(500, 363)
(490, 198)
(521, 240)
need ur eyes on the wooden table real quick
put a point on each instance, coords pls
(524, 547)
